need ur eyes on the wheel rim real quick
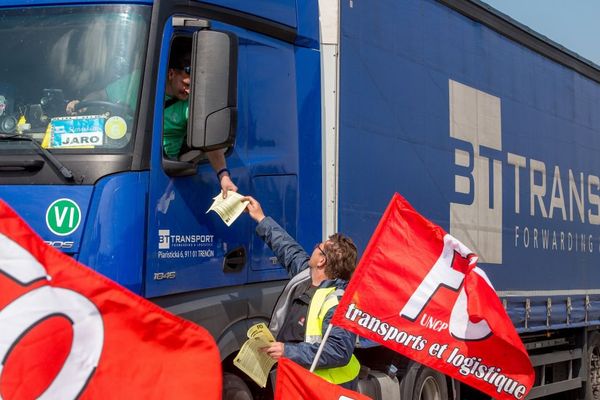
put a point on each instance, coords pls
(594, 368)
(430, 389)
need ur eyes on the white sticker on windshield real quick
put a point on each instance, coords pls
(79, 131)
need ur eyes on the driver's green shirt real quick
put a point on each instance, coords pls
(175, 127)
(125, 90)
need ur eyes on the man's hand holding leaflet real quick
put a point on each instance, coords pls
(251, 359)
(228, 208)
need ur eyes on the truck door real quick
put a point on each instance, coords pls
(189, 249)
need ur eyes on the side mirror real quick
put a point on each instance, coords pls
(213, 104)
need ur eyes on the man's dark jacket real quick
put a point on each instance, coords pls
(340, 344)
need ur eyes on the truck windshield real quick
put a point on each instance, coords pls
(70, 76)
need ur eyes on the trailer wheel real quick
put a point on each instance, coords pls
(234, 388)
(592, 386)
(430, 385)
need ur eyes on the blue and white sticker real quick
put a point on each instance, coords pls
(78, 131)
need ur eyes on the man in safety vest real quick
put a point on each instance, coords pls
(304, 309)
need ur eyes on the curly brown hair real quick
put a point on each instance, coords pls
(341, 256)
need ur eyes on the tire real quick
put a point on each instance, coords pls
(591, 389)
(430, 385)
(234, 388)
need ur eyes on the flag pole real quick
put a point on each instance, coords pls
(320, 350)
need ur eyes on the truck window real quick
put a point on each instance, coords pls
(212, 96)
(71, 76)
(177, 90)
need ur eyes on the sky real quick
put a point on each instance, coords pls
(574, 24)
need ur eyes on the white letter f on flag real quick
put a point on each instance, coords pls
(443, 275)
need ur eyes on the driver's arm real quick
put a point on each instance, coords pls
(217, 161)
(123, 90)
(97, 95)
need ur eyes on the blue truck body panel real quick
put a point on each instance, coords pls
(282, 11)
(302, 16)
(115, 230)
(408, 72)
(114, 208)
(33, 203)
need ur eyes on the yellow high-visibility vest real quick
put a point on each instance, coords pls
(322, 301)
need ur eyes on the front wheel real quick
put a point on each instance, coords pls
(430, 385)
(234, 388)
(592, 385)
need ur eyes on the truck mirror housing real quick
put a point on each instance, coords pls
(213, 103)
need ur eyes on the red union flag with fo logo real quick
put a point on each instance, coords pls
(67, 332)
(418, 291)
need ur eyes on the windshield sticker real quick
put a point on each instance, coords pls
(79, 131)
(2, 104)
(115, 128)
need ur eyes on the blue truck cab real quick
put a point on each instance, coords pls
(96, 184)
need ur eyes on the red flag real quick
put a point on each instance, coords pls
(297, 383)
(418, 291)
(66, 331)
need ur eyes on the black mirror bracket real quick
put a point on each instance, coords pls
(187, 22)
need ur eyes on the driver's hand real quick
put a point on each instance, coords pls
(227, 185)
(71, 107)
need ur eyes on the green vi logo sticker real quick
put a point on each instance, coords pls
(63, 217)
